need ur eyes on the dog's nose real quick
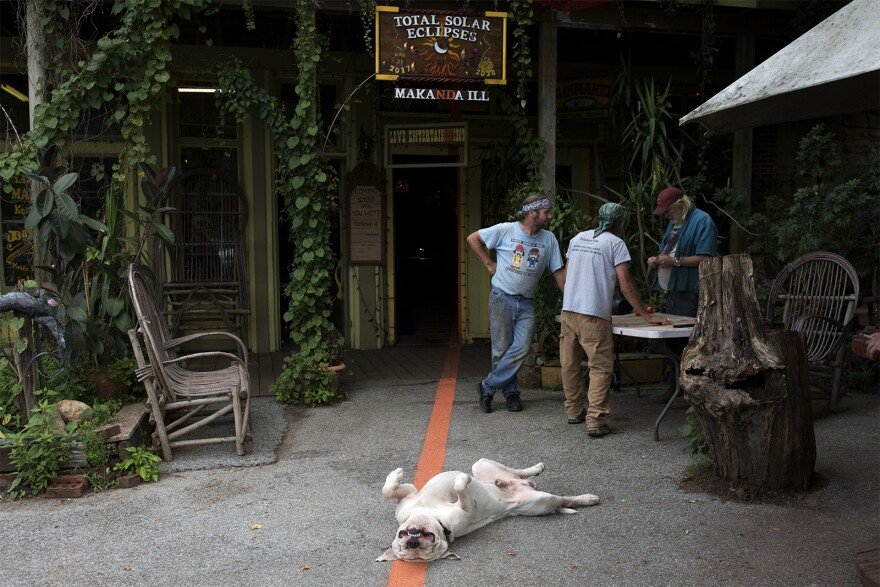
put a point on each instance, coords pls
(412, 542)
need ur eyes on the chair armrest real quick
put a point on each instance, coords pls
(803, 323)
(230, 356)
(142, 373)
(169, 344)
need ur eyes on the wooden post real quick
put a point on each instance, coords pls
(748, 384)
(24, 364)
(547, 72)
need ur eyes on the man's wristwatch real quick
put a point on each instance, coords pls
(677, 262)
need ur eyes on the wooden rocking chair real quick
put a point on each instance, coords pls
(179, 398)
(817, 295)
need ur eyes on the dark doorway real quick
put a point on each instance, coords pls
(426, 250)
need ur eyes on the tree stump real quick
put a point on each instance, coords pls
(748, 384)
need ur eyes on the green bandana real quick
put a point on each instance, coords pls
(608, 215)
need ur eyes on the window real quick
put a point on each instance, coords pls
(14, 101)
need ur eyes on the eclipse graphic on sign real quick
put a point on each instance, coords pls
(440, 45)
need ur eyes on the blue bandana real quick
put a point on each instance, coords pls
(540, 204)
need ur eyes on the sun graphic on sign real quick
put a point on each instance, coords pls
(441, 55)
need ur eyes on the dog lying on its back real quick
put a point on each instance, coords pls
(453, 504)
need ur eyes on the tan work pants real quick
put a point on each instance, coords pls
(587, 335)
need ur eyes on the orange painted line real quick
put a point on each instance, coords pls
(407, 574)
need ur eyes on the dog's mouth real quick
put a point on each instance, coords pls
(412, 537)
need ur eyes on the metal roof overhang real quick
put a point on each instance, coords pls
(832, 69)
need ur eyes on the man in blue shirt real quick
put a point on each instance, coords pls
(523, 250)
(690, 237)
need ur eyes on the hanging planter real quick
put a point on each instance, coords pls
(337, 371)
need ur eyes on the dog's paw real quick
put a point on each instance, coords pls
(392, 484)
(586, 499)
(461, 482)
(534, 470)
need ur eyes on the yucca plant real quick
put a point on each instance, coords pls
(651, 157)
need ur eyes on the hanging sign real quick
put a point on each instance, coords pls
(440, 45)
(583, 98)
(18, 245)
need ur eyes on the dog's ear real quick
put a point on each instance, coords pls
(451, 555)
(388, 555)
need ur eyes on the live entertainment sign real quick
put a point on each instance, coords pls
(439, 45)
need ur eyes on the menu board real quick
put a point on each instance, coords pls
(366, 217)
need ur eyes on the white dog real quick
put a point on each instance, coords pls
(453, 504)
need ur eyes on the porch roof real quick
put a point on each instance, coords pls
(832, 69)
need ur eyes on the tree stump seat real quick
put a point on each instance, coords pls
(747, 382)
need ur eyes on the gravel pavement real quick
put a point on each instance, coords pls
(313, 485)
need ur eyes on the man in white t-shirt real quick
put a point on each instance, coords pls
(597, 261)
(523, 250)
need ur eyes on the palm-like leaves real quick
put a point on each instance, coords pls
(88, 258)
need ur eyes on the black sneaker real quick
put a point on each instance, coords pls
(485, 399)
(513, 403)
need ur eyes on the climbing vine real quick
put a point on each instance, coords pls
(368, 18)
(309, 190)
(124, 76)
(310, 202)
(529, 149)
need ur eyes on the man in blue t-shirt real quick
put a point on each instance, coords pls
(523, 250)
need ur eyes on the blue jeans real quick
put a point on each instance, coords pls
(512, 327)
(682, 303)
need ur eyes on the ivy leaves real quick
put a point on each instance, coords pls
(124, 75)
(309, 191)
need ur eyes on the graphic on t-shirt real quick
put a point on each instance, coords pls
(518, 254)
(532, 261)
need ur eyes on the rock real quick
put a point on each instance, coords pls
(73, 411)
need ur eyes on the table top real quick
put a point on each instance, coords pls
(635, 326)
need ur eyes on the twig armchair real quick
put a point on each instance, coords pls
(182, 401)
(817, 295)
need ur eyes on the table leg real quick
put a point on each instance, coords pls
(623, 370)
(676, 364)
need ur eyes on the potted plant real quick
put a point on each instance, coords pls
(113, 379)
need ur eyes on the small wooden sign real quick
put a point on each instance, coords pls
(366, 217)
(441, 45)
(18, 245)
(583, 98)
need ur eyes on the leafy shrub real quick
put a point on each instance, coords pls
(39, 450)
(695, 440)
(97, 451)
(142, 462)
(836, 211)
(10, 389)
